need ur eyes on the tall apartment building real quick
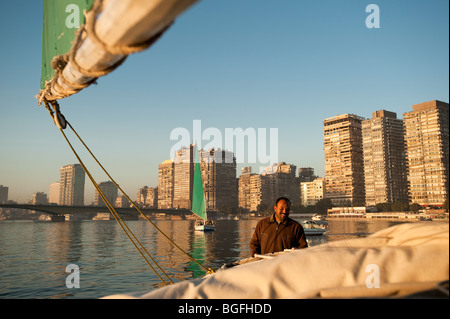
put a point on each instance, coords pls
(122, 202)
(219, 179)
(311, 192)
(344, 173)
(71, 183)
(53, 193)
(263, 189)
(218, 169)
(427, 152)
(165, 184)
(152, 197)
(3, 194)
(260, 191)
(384, 159)
(283, 182)
(244, 189)
(39, 198)
(109, 190)
(183, 177)
(141, 196)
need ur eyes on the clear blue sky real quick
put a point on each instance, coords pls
(251, 64)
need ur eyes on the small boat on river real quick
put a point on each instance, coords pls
(313, 228)
(198, 200)
(318, 217)
(205, 225)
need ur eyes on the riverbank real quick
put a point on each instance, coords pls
(422, 216)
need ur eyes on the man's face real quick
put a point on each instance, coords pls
(282, 210)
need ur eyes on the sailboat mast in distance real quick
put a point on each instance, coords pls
(198, 197)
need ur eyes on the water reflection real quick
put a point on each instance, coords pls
(34, 256)
(346, 229)
(198, 252)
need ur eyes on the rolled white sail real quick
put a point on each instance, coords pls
(113, 30)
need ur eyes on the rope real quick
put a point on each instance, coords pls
(118, 218)
(55, 115)
(209, 270)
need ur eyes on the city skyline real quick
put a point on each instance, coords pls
(278, 66)
(368, 162)
(267, 169)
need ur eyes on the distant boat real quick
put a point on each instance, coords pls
(205, 225)
(198, 200)
(318, 217)
(312, 228)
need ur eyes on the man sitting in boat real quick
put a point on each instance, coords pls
(277, 232)
(210, 222)
(200, 222)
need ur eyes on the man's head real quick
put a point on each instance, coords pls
(282, 208)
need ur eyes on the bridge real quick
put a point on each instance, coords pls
(60, 210)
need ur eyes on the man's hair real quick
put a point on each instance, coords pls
(282, 198)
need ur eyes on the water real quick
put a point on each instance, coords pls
(34, 255)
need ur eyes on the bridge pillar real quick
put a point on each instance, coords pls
(58, 218)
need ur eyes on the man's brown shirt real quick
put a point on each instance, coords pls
(270, 237)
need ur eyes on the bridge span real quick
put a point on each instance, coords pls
(61, 210)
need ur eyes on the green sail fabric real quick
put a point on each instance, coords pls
(198, 198)
(61, 22)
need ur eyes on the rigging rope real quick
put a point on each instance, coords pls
(209, 270)
(58, 118)
(117, 217)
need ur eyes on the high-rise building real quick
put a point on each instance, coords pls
(122, 202)
(384, 159)
(152, 197)
(141, 197)
(71, 185)
(427, 152)
(282, 181)
(39, 198)
(165, 184)
(183, 177)
(218, 169)
(344, 172)
(53, 194)
(3, 194)
(244, 188)
(256, 191)
(109, 190)
(260, 195)
(311, 192)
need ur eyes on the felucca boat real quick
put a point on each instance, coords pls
(198, 199)
(410, 259)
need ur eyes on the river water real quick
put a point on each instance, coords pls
(34, 256)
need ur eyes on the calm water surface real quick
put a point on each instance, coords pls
(34, 255)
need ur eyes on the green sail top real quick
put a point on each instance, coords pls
(62, 19)
(198, 197)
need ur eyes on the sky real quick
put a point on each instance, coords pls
(253, 64)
